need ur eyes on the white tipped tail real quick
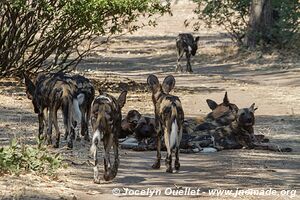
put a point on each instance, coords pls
(76, 111)
(96, 139)
(80, 98)
(174, 134)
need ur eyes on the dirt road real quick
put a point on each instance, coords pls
(271, 81)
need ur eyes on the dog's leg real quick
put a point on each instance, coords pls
(57, 138)
(88, 116)
(84, 120)
(94, 151)
(71, 137)
(188, 60)
(45, 116)
(180, 53)
(65, 124)
(169, 151)
(177, 163)
(272, 147)
(50, 121)
(156, 165)
(108, 141)
(41, 125)
(115, 167)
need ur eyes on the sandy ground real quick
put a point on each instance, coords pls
(271, 81)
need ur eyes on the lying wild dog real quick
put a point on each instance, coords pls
(48, 94)
(188, 45)
(240, 134)
(221, 115)
(86, 88)
(145, 129)
(169, 117)
(106, 122)
(140, 127)
(129, 123)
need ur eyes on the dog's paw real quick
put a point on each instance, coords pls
(156, 165)
(169, 170)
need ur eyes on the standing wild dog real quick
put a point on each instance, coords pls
(106, 122)
(169, 119)
(188, 45)
(86, 88)
(48, 94)
(221, 115)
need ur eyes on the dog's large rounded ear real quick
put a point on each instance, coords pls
(122, 99)
(225, 99)
(153, 82)
(211, 104)
(252, 108)
(197, 39)
(168, 84)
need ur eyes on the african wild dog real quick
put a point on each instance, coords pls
(221, 115)
(141, 127)
(106, 122)
(129, 123)
(48, 94)
(188, 45)
(86, 88)
(240, 134)
(145, 129)
(169, 117)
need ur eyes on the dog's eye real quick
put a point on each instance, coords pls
(134, 121)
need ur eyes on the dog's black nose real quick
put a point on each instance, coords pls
(249, 120)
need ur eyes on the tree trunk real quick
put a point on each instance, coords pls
(260, 23)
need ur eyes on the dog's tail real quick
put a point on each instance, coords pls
(95, 141)
(174, 138)
(71, 110)
(77, 101)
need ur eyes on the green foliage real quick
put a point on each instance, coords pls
(18, 158)
(229, 14)
(53, 34)
(233, 16)
(286, 30)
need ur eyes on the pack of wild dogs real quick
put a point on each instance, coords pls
(225, 127)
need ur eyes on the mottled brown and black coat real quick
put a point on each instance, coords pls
(49, 93)
(106, 123)
(169, 118)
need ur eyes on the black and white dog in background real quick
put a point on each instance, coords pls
(188, 45)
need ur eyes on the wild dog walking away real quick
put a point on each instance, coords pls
(86, 88)
(188, 45)
(48, 94)
(106, 122)
(169, 117)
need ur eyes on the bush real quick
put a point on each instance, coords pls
(57, 34)
(286, 30)
(233, 16)
(18, 158)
